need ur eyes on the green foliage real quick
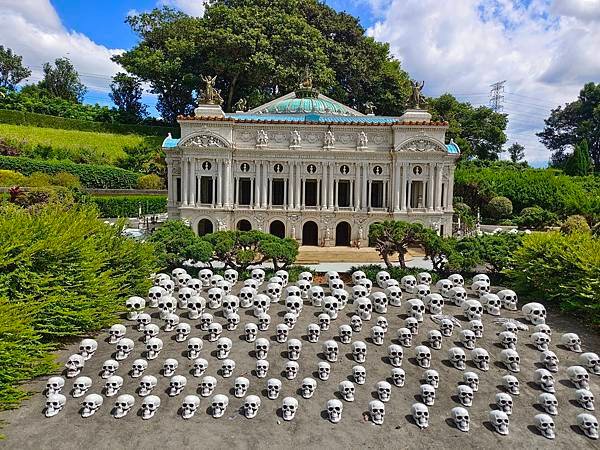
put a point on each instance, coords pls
(259, 49)
(12, 70)
(240, 249)
(559, 268)
(151, 181)
(91, 176)
(11, 178)
(178, 243)
(575, 224)
(546, 188)
(579, 163)
(126, 94)
(478, 131)
(62, 81)
(516, 152)
(492, 251)
(499, 208)
(129, 205)
(535, 217)
(569, 125)
(15, 113)
(63, 273)
(78, 146)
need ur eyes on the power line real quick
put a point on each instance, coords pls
(496, 96)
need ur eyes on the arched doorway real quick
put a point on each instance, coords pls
(205, 226)
(342, 234)
(277, 228)
(244, 225)
(310, 233)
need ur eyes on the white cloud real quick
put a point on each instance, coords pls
(33, 29)
(191, 7)
(545, 50)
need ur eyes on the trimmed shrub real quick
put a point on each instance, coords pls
(151, 181)
(48, 121)
(564, 269)
(63, 273)
(536, 218)
(11, 178)
(129, 205)
(499, 208)
(90, 175)
(575, 224)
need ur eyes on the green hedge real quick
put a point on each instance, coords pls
(129, 205)
(90, 175)
(45, 121)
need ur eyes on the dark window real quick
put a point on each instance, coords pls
(245, 191)
(206, 190)
(443, 205)
(278, 192)
(377, 194)
(343, 193)
(311, 193)
(178, 188)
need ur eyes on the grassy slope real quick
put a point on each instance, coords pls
(106, 145)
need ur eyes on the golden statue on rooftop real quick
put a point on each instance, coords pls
(210, 95)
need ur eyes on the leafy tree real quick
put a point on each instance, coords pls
(126, 93)
(499, 208)
(516, 152)
(395, 237)
(259, 49)
(493, 251)
(12, 70)
(62, 81)
(576, 121)
(179, 243)
(478, 131)
(579, 163)
(575, 224)
(535, 217)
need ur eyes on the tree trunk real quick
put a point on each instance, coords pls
(386, 259)
(231, 92)
(401, 260)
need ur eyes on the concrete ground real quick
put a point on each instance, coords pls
(27, 428)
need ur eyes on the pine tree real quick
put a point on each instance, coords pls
(579, 163)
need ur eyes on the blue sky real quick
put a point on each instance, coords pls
(545, 49)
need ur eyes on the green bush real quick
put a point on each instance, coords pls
(91, 176)
(129, 205)
(63, 274)
(492, 251)
(499, 208)
(559, 268)
(63, 123)
(150, 181)
(178, 242)
(536, 218)
(575, 224)
(11, 178)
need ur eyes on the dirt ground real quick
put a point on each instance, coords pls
(27, 428)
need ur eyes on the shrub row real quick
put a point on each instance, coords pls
(90, 175)
(129, 205)
(46, 121)
(63, 273)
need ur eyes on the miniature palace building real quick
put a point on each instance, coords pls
(307, 167)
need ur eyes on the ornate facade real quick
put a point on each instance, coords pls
(306, 167)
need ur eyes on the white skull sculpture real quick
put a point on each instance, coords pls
(190, 405)
(80, 386)
(123, 405)
(289, 408)
(460, 417)
(420, 414)
(377, 412)
(219, 405)
(90, 404)
(147, 384)
(535, 313)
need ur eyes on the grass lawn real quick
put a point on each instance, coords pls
(78, 146)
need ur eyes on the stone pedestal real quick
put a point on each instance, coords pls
(416, 115)
(209, 110)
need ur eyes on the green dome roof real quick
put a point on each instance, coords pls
(306, 106)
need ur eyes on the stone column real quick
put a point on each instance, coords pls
(386, 186)
(236, 200)
(409, 192)
(430, 200)
(170, 184)
(290, 186)
(351, 193)
(214, 192)
(396, 186)
(336, 192)
(370, 194)
(365, 194)
(193, 181)
(402, 180)
(450, 206)
(303, 200)
(227, 182)
(297, 183)
(323, 199)
(256, 184)
(265, 187)
(185, 179)
(357, 187)
(439, 181)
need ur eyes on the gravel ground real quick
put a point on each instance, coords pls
(27, 428)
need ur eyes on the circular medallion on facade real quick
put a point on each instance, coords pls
(377, 170)
(278, 168)
(378, 139)
(312, 138)
(344, 169)
(245, 167)
(417, 170)
(345, 138)
(311, 168)
(245, 136)
(206, 165)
